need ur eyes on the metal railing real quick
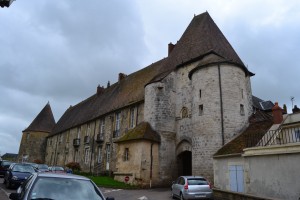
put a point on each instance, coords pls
(280, 136)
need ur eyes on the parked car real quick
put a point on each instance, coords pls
(58, 186)
(4, 165)
(191, 187)
(17, 173)
(56, 169)
(42, 168)
(34, 165)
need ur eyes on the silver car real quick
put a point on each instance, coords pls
(58, 186)
(192, 187)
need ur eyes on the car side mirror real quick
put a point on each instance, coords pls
(110, 198)
(14, 196)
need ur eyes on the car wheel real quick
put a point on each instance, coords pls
(181, 197)
(7, 184)
(173, 197)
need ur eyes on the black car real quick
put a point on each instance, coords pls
(4, 165)
(58, 186)
(17, 173)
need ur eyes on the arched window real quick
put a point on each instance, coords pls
(184, 112)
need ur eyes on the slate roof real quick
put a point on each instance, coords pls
(202, 40)
(44, 121)
(260, 123)
(130, 90)
(143, 131)
(261, 104)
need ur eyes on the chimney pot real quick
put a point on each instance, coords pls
(277, 114)
(170, 48)
(121, 76)
(100, 89)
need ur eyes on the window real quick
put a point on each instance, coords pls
(200, 94)
(200, 109)
(242, 110)
(86, 155)
(236, 175)
(27, 136)
(131, 119)
(242, 93)
(118, 120)
(102, 126)
(126, 154)
(184, 112)
(107, 156)
(78, 132)
(99, 158)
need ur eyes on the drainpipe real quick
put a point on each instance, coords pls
(92, 150)
(221, 107)
(151, 163)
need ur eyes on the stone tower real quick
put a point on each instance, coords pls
(201, 101)
(33, 143)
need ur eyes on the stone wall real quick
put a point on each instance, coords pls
(33, 144)
(60, 148)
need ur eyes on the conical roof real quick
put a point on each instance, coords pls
(43, 122)
(202, 41)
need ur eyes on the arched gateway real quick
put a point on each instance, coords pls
(184, 158)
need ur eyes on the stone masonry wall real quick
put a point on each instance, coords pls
(33, 139)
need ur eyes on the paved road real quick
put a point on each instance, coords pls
(149, 194)
(119, 194)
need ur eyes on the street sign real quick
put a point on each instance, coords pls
(126, 179)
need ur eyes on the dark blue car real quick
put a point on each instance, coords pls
(17, 173)
(4, 165)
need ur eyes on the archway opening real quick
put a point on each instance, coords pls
(184, 161)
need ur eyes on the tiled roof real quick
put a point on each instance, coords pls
(43, 122)
(128, 91)
(202, 38)
(141, 132)
(260, 123)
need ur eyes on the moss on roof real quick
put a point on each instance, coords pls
(143, 131)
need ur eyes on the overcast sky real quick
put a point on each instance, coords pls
(60, 51)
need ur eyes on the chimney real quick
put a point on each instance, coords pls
(277, 114)
(108, 84)
(296, 109)
(170, 48)
(121, 76)
(100, 90)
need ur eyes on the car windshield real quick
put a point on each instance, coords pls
(57, 169)
(64, 188)
(23, 168)
(197, 181)
(41, 166)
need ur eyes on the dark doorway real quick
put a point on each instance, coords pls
(184, 160)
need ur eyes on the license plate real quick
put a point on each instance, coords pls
(200, 196)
